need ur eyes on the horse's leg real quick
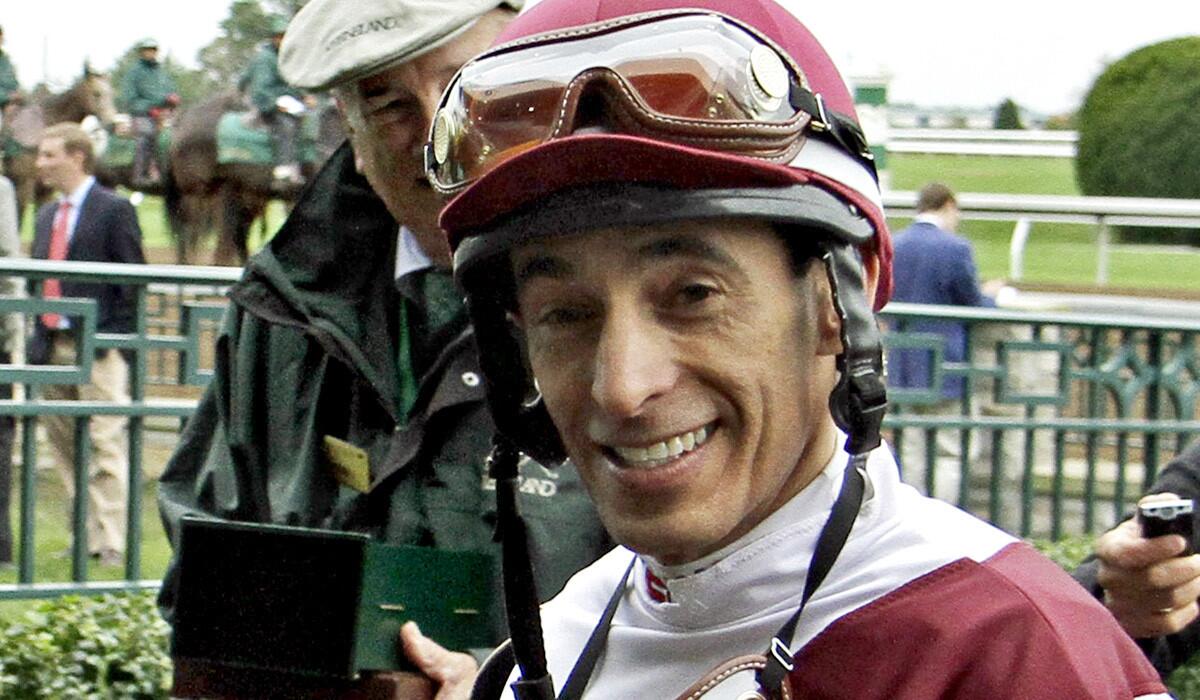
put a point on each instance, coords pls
(236, 217)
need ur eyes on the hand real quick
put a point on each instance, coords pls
(173, 100)
(1148, 587)
(452, 672)
(993, 287)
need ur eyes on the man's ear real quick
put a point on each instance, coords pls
(829, 325)
(870, 273)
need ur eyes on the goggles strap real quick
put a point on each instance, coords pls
(831, 125)
(520, 589)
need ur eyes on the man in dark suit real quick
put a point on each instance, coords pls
(89, 223)
(934, 265)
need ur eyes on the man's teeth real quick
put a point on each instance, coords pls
(661, 452)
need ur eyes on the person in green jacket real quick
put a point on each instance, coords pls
(9, 87)
(277, 103)
(347, 391)
(147, 94)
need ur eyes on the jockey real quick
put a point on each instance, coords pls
(277, 103)
(147, 93)
(668, 227)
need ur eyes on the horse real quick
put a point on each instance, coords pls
(203, 191)
(90, 95)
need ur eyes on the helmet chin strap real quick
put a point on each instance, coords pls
(857, 403)
(859, 400)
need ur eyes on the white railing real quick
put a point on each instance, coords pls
(985, 142)
(1025, 210)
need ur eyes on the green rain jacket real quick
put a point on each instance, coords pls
(145, 86)
(263, 82)
(8, 79)
(306, 352)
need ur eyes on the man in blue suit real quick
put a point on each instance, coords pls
(89, 223)
(934, 265)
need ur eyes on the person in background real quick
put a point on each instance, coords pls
(1146, 583)
(147, 93)
(347, 393)
(277, 104)
(672, 259)
(87, 223)
(935, 265)
(10, 332)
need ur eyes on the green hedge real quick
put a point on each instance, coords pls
(111, 647)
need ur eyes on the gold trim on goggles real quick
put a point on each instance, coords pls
(693, 78)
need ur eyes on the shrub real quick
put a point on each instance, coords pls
(1008, 116)
(1139, 130)
(1067, 552)
(75, 648)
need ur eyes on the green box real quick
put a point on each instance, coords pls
(319, 602)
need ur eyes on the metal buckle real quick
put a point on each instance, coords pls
(823, 124)
(782, 654)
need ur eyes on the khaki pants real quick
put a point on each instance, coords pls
(108, 470)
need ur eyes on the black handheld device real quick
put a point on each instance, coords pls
(1172, 517)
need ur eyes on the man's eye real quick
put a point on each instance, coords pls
(392, 110)
(562, 316)
(696, 293)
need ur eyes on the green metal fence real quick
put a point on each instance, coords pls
(178, 308)
(1063, 419)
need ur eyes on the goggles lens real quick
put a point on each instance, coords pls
(688, 71)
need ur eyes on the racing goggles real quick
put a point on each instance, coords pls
(692, 78)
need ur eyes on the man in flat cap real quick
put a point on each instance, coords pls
(347, 392)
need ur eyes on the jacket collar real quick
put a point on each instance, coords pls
(329, 270)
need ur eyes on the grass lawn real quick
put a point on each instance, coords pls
(157, 235)
(52, 536)
(1060, 254)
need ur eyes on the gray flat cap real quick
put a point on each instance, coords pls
(335, 41)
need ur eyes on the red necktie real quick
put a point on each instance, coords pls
(52, 288)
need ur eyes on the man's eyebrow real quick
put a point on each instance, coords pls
(541, 266)
(687, 246)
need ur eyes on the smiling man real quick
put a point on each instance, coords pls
(669, 230)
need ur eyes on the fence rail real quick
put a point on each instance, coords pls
(178, 309)
(1024, 210)
(985, 142)
(1062, 418)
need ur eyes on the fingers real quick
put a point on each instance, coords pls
(1124, 547)
(452, 672)
(1148, 587)
(1139, 623)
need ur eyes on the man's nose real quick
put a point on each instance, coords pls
(634, 364)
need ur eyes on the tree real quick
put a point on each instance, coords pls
(246, 27)
(227, 56)
(1008, 116)
(1139, 129)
